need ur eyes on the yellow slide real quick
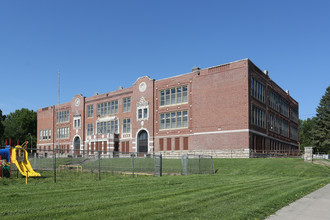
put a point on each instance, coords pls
(22, 164)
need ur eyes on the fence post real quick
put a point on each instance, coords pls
(185, 164)
(199, 164)
(212, 165)
(132, 156)
(54, 165)
(161, 165)
(99, 157)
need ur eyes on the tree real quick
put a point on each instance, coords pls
(1, 125)
(322, 128)
(19, 124)
(306, 134)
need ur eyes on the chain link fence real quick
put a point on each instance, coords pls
(82, 164)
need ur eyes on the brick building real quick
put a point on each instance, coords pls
(230, 110)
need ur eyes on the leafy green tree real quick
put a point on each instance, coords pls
(306, 134)
(322, 128)
(19, 124)
(1, 126)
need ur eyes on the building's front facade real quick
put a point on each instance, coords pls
(231, 110)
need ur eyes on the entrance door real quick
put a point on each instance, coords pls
(143, 141)
(76, 145)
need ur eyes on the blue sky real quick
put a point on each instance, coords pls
(101, 45)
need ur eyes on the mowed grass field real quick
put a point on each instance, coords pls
(241, 189)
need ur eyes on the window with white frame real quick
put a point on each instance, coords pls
(173, 96)
(44, 134)
(258, 90)
(143, 113)
(90, 111)
(63, 116)
(127, 104)
(90, 129)
(77, 122)
(173, 120)
(126, 125)
(62, 132)
(107, 108)
(107, 127)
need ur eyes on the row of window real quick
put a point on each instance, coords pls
(107, 127)
(45, 134)
(108, 108)
(174, 120)
(62, 132)
(63, 116)
(173, 96)
(274, 101)
(282, 126)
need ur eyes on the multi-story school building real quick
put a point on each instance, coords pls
(230, 110)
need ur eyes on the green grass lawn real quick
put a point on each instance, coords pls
(241, 189)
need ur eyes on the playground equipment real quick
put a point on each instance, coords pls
(19, 157)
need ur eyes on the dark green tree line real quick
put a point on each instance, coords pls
(316, 131)
(18, 125)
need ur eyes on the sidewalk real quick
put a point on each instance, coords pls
(313, 206)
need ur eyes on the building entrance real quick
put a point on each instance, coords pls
(76, 145)
(142, 141)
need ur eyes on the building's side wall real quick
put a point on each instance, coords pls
(268, 138)
(217, 112)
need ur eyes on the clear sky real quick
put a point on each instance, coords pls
(101, 45)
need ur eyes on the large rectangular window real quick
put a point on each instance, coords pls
(107, 108)
(127, 104)
(63, 116)
(62, 132)
(257, 90)
(294, 114)
(284, 129)
(90, 111)
(90, 129)
(45, 135)
(284, 107)
(174, 120)
(273, 100)
(271, 122)
(258, 116)
(294, 133)
(172, 96)
(126, 125)
(107, 127)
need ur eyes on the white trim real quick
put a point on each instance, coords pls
(227, 131)
(221, 132)
(137, 138)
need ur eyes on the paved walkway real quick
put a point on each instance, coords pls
(313, 206)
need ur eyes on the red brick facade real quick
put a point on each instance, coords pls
(223, 110)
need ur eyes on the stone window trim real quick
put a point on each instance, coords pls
(142, 110)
